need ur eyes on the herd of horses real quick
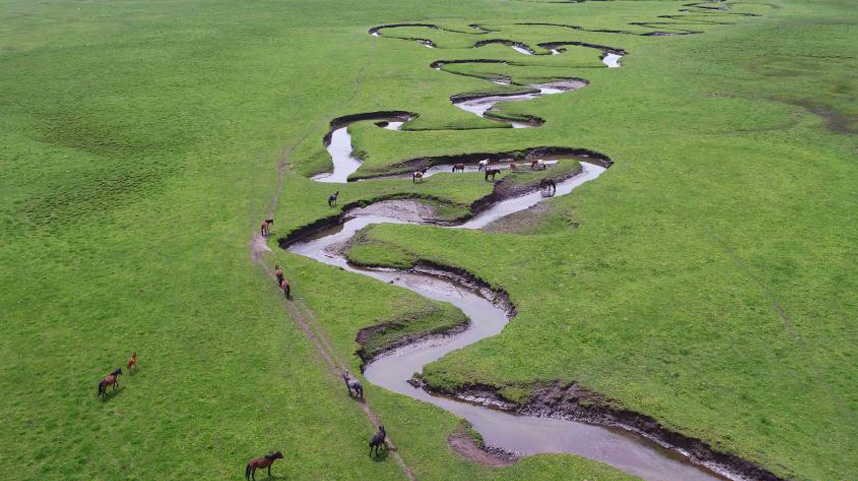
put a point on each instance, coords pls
(112, 379)
(482, 166)
(354, 386)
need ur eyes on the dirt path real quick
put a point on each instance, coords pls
(299, 312)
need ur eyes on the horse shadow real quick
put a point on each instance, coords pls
(381, 456)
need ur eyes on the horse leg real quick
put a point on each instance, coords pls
(269, 470)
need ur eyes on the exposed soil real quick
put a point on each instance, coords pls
(409, 210)
(464, 444)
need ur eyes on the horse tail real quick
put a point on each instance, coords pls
(247, 471)
(100, 388)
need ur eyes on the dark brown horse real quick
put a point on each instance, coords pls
(131, 365)
(512, 166)
(287, 288)
(549, 186)
(266, 226)
(491, 173)
(261, 463)
(458, 168)
(111, 380)
(378, 440)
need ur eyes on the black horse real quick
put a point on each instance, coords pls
(353, 385)
(332, 199)
(378, 440)
(549, 186)
(491, 173)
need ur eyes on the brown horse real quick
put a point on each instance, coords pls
(287, 288)
(261, 463)
(418, 176)
(512, 166)
(131, 365)
(458, 168)
(278, 273)
(492, 173)
(266, 226)
(537, 164)
(110, 380)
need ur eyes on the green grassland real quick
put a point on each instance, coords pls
(710, 282)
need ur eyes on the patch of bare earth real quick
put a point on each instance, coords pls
(465, 445)
(403, 209)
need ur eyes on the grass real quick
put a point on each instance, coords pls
(710, 283)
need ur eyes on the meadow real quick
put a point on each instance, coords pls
(707, 279)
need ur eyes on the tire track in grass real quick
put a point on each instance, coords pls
(781, 313)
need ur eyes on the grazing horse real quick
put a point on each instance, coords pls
(377, 440)
(492, 173)
(266, 226)
(512, 166)
(111, 380)
(132, 363)
(261, 463)
(484, 164)
(537, 164)
(459, 168)
(418, 176)
(548, 185)
(353, 384)
(278, 273)
(287, 288)
(332, 199)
